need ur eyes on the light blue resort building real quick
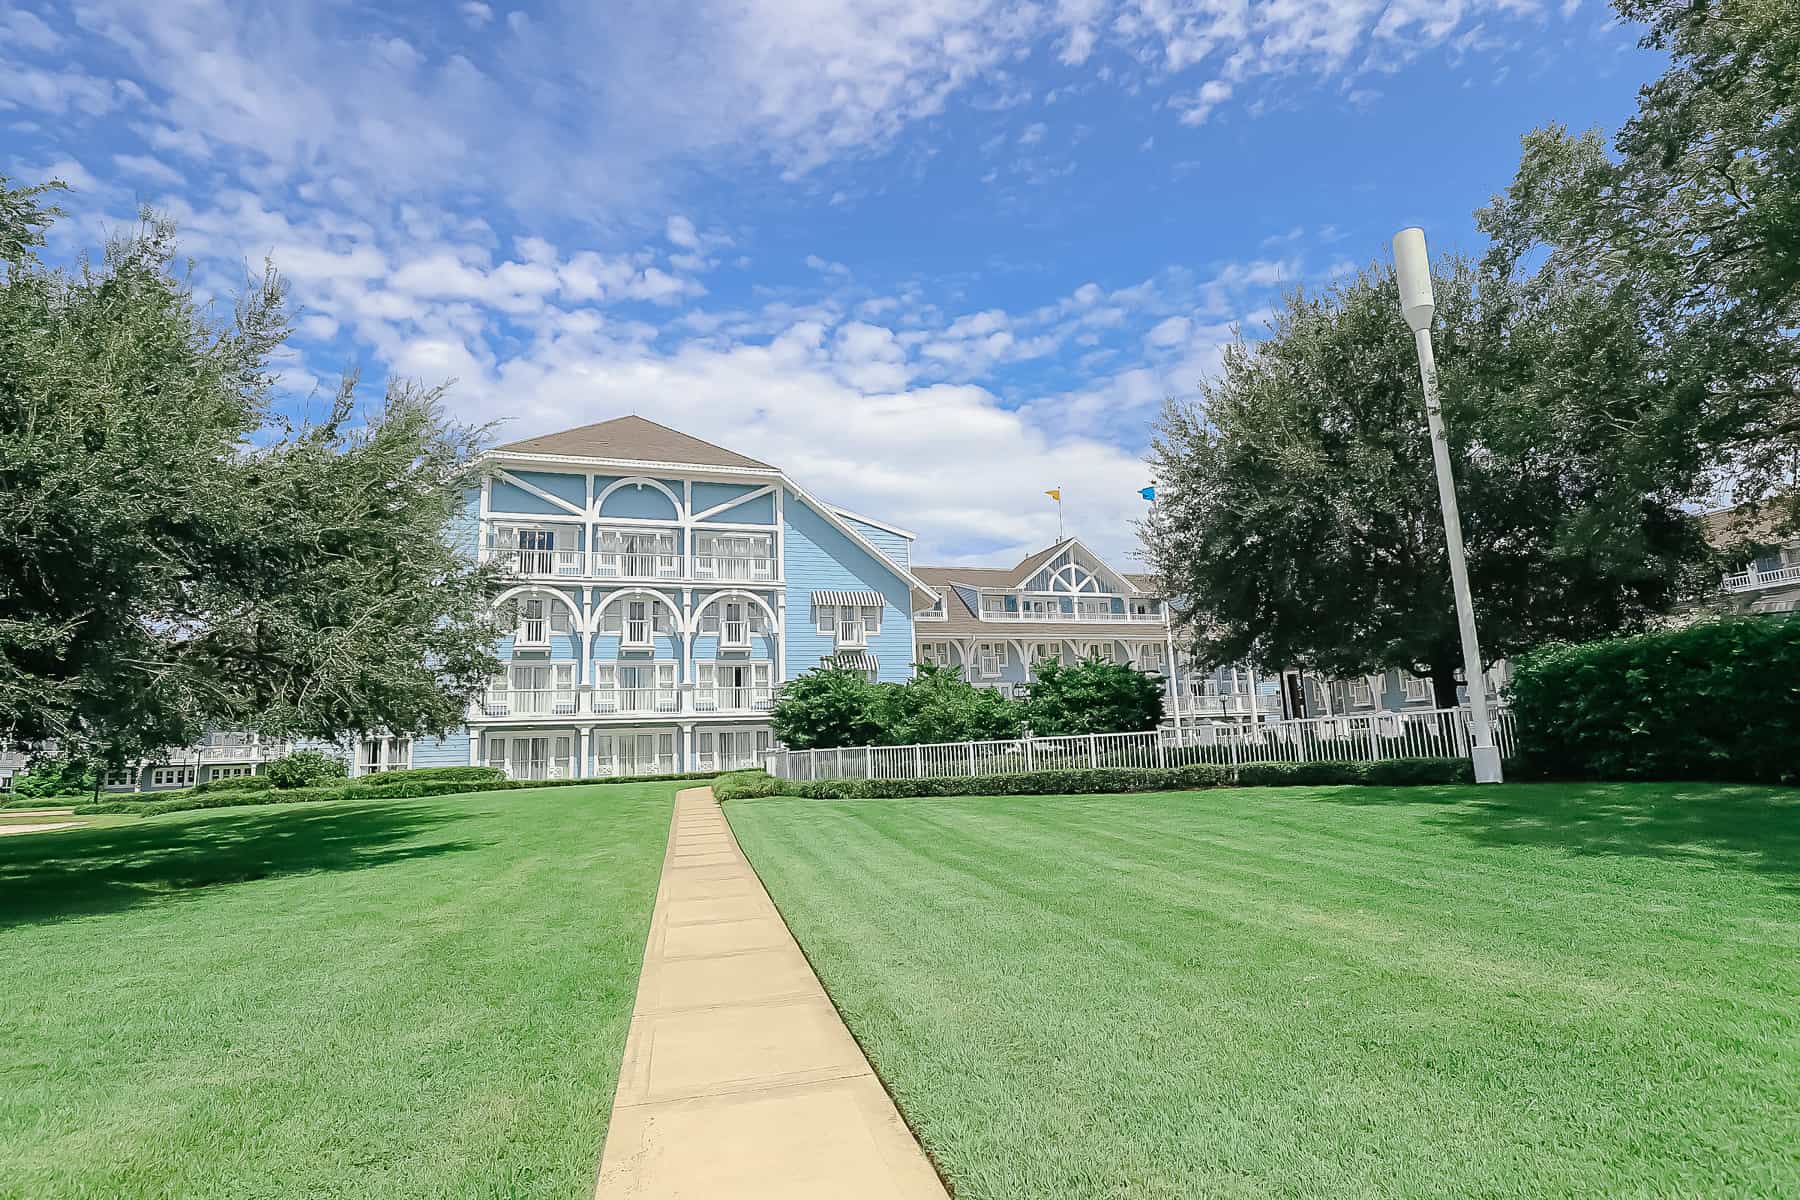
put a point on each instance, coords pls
(661, 589)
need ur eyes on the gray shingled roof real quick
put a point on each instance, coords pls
(634, 439)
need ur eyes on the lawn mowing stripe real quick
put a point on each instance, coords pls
(1314, 1054)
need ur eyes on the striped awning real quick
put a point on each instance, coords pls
(853, 599)
(851, 660)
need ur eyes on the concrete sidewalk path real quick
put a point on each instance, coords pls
(739, 1079)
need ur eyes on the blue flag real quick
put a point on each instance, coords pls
(1148, 493)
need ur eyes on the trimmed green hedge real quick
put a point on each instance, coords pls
(1393, 772)
(394, 785)
(240, 783)
(433, 774)
(1714, 701)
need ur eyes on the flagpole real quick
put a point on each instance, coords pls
(1059, 523)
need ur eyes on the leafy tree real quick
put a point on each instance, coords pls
(826, 708)
(1297, 510)
(180, 557)
(1092, 696)
(1694, 215)
(56, 776)
(939, 705)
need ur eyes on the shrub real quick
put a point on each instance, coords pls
(454, 774)
(305, 768)
(1718, 700)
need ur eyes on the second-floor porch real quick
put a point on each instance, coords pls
(572, 551)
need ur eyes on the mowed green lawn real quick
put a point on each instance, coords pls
(381, 999)
(1527, 991)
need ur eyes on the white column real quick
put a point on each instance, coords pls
(581, 768)
(475, 747)
(1255, 706)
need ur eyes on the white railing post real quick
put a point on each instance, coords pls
(1030, 757)
(1093, 752)
(971, 760)
(840, 762)
(918, 762)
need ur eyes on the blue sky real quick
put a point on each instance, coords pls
(932, 256)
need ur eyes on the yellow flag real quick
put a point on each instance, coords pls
(1055, 494)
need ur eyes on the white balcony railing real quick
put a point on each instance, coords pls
(529, 702)
(1088, 617)
(733, 569)
(533, 633)
(538, 564)
(1753, 580)
(733, 699)
(536, 768)
(608, 701)
(620, 564)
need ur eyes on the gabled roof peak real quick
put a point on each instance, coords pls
(633, 439)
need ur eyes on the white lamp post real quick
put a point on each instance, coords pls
(1413, 269)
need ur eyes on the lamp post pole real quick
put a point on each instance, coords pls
(1412, 268)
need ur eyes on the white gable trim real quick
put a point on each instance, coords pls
(908, 534)
(539, 492)
(921, 589)
(758, 494)
(1124, 586)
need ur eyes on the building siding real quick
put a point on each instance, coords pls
(819, 557)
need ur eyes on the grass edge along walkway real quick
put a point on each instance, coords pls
(1518, 991)
(423, 997)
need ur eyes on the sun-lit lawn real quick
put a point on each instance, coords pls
(1526, 991)
(374, 999)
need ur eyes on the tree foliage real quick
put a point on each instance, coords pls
(824, 709)
(181, 557)
(1297, 510)
(1693, 215)
(57, 775)
(1092, 696)
(938, 705)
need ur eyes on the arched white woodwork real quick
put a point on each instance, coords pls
(638, 481)
(538, 589)
(732, 594)
(675, 622)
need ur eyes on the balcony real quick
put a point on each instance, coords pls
(733, 699)
(726, 568)
(566, 703)
(1755, 581)
(538, 564)
(1088, 616)
(622, 564)
(626, 701)
(536, 768)
(526, 702)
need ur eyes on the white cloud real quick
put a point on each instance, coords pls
(1196, 106)
(1171, 331)
(1032, 134)
(146, 167)
(476, 13)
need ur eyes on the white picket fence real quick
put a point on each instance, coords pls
(1425, 733)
